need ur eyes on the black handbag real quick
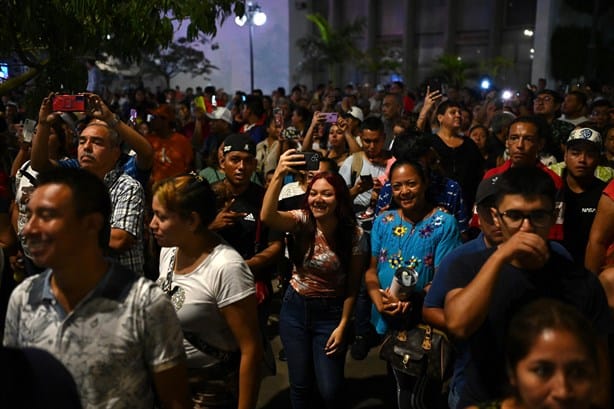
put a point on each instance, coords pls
(419, 351)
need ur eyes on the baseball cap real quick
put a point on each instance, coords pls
(222, 114)
(487, 189)
(239, 142)
(164, 111)
(355, 113)
(585, 134)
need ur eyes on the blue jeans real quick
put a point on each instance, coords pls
(305, 324)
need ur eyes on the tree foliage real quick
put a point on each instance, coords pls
(330, 47)
(454, 70)
(382, 61)
(178, 57)
(51, 34)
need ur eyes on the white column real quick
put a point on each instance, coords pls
(546, 17)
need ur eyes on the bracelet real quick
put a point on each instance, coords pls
(113, 123)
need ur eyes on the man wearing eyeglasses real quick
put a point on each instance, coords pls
(547, 105)
(490, 285)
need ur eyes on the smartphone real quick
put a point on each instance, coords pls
(133, 115)
(150, 117)
(312, 161)
(69, 103)
(279, 117)
(331, 117)
(367, 181)
(213, 101)
(28, 130)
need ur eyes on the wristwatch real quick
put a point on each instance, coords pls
(113, 123)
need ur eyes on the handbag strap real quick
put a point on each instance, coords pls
(194, 339)
(428, 335)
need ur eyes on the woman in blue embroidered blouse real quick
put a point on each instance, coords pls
(415, 236)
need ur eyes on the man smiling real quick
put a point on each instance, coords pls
(116, 333)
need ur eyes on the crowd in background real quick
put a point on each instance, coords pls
(213, 196)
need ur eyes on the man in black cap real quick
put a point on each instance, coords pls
(238, 203)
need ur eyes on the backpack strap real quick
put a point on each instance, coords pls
(356, 167)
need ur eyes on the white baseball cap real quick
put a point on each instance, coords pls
(586, 135)
(221, 113)
(356, 113)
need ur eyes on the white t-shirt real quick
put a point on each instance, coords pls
(290, 190)
(368, 168)
(220, 280)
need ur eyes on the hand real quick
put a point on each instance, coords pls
(289, 161)
(226, 217)
(98, 109)
(377, 186)
(334, 342)
(430, 99)
(527, 249)
(343, 124)
(319, 116)
(45, 112)
(391, 305)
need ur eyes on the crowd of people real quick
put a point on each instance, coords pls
(143, 232)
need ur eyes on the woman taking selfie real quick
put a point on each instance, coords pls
(551, 359)
(410, 240)
(341, 143)
(213, 292)
(328, 255)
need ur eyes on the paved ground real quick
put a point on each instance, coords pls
(367, 384)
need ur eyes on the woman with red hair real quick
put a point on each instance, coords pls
(329, 254)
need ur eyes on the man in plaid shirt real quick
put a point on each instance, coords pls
(99, 152)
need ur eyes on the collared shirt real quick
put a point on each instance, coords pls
(127, 201)
(112, 343)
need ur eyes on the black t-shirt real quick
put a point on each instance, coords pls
(248, 235)
(580, 211)
(485, 375)
(463, 164)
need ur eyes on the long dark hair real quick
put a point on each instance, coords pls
(346, 223)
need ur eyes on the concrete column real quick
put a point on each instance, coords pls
(373, 28)
(546, 17)
(410, 43)
(449, 33)
(495, 29)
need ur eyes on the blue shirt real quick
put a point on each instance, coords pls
(436, 296)
(421, 247)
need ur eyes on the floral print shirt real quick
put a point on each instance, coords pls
(396, 243)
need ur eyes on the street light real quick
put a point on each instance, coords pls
(254, 16)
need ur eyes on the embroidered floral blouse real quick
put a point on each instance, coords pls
(421, 247)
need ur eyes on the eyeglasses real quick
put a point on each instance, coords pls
(537, 218)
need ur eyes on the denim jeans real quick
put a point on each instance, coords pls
(305, 324)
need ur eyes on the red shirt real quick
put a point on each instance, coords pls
(172, 156)
(556, 231)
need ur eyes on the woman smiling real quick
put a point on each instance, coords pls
(410, 240)
(328, 255)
